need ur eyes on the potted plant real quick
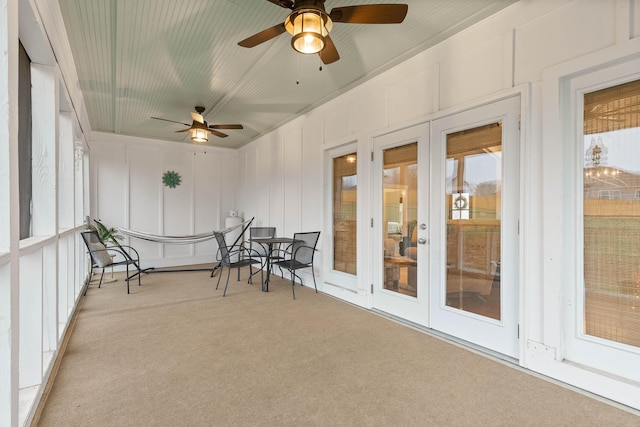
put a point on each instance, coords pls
(105, 234)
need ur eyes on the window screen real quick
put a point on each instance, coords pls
(24, 142)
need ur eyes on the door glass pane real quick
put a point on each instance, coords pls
(400, 212)
(612, 213)
(345, 189)
(473, 196)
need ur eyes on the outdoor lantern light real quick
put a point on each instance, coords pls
(309, 28)
(199, 135)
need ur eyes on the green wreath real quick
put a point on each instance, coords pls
(171, 179)
(460, 202)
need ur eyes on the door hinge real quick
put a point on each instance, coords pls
(371, 222)
(518, 228)
(518, 331)
(519, 122)
(372, 156)
(372, 288)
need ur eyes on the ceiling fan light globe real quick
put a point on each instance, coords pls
(309, 28)
(308, 43)
(199, 135)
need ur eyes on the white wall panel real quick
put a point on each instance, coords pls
(473, 73)
(278, 205)
(208, 196)
(227, 196)
(413, 96)
(338, 123)
(261, 185)
(371, 112)
(111, 182)
(635, 18)
(312, 178)
(250, 185)
(292, 183)
(570, 32)
(178, 201)
(145, 188)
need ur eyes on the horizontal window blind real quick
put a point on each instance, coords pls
(345, 190)
(611, 204)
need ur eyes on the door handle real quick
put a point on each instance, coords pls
(422, 240)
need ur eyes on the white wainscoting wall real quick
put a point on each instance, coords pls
(126, 177)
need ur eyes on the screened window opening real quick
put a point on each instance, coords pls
(611, 203)
(24, 144)
(345, 191)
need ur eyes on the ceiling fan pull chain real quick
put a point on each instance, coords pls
(297, 69)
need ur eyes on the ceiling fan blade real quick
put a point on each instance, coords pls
(172, 121)
(263, 36)
(287, 4)
(183, 130)
(370, 14)
(226, 127)
(329, 54)
(218, 134)
(197, 117)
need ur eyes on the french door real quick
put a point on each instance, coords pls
(446, 231)
(474, 232)
(400, 223)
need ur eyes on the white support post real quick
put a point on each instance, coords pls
(9, 214)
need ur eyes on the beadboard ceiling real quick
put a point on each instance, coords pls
(138, 59)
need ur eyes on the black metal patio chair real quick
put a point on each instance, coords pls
(236, 256)
(300, 255)
(110, 256)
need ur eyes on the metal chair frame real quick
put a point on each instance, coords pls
(300, 255)
(246, 256)
(92, 237)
